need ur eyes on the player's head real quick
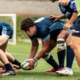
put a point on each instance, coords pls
(28, 26)
(53, 0)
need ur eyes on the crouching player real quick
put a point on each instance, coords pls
(48, 31)
(6, 32)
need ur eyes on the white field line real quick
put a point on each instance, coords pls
(18, 54)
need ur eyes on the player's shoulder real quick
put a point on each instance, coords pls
(41, 19)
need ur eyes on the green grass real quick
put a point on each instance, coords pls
(21, 52)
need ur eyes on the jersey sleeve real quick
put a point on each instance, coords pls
(72, 5)
(32, 39)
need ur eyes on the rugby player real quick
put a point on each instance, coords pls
(76, 35)
(6, 32)
(69, 12)
(48, 31)
(75, 45)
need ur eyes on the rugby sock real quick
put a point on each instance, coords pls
(70, 57)
(61, 57)
(8, 66)
(52, 62)
(16, 62)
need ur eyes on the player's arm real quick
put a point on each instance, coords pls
(71, 21)
(45, 47)
(34, 48)
(73, 18)
(57, 17)
(62, 17)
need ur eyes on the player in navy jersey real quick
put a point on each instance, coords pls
(69, 12)
(48, 31)
(75, 44)
(6, 32)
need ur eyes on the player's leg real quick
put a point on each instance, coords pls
(3, 39)
(9, 69)
(70, 58)
(12, 59)
(6, 33)
(49, 58)
(70, 53)
(61, 47)
(75, 45)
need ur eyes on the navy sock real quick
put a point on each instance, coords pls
(70, 57)
(61, 57)
(8, 66)
(52, 62)
(16, 62)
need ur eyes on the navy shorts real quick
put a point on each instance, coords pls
(76, 28)
(54, 34)
(6, 29)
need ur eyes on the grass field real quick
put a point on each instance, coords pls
(21, 52)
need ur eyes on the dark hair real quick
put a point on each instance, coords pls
(26, 23)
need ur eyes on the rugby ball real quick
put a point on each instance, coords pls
(24, 64)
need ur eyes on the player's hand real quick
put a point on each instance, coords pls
(67, 26)
(31, 64)
(15, 67)
(55, 17)
(64, 2)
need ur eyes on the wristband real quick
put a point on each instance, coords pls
(35, 60)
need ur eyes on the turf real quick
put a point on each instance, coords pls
(21, 52)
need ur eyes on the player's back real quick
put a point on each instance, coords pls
(44, 21)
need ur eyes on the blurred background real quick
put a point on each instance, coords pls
(29, 7)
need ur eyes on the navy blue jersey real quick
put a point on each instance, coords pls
(6, 29)
(69, 9)
(45, 27)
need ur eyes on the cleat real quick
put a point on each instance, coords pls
(53, 70)
(8, 73)
(66, 71)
